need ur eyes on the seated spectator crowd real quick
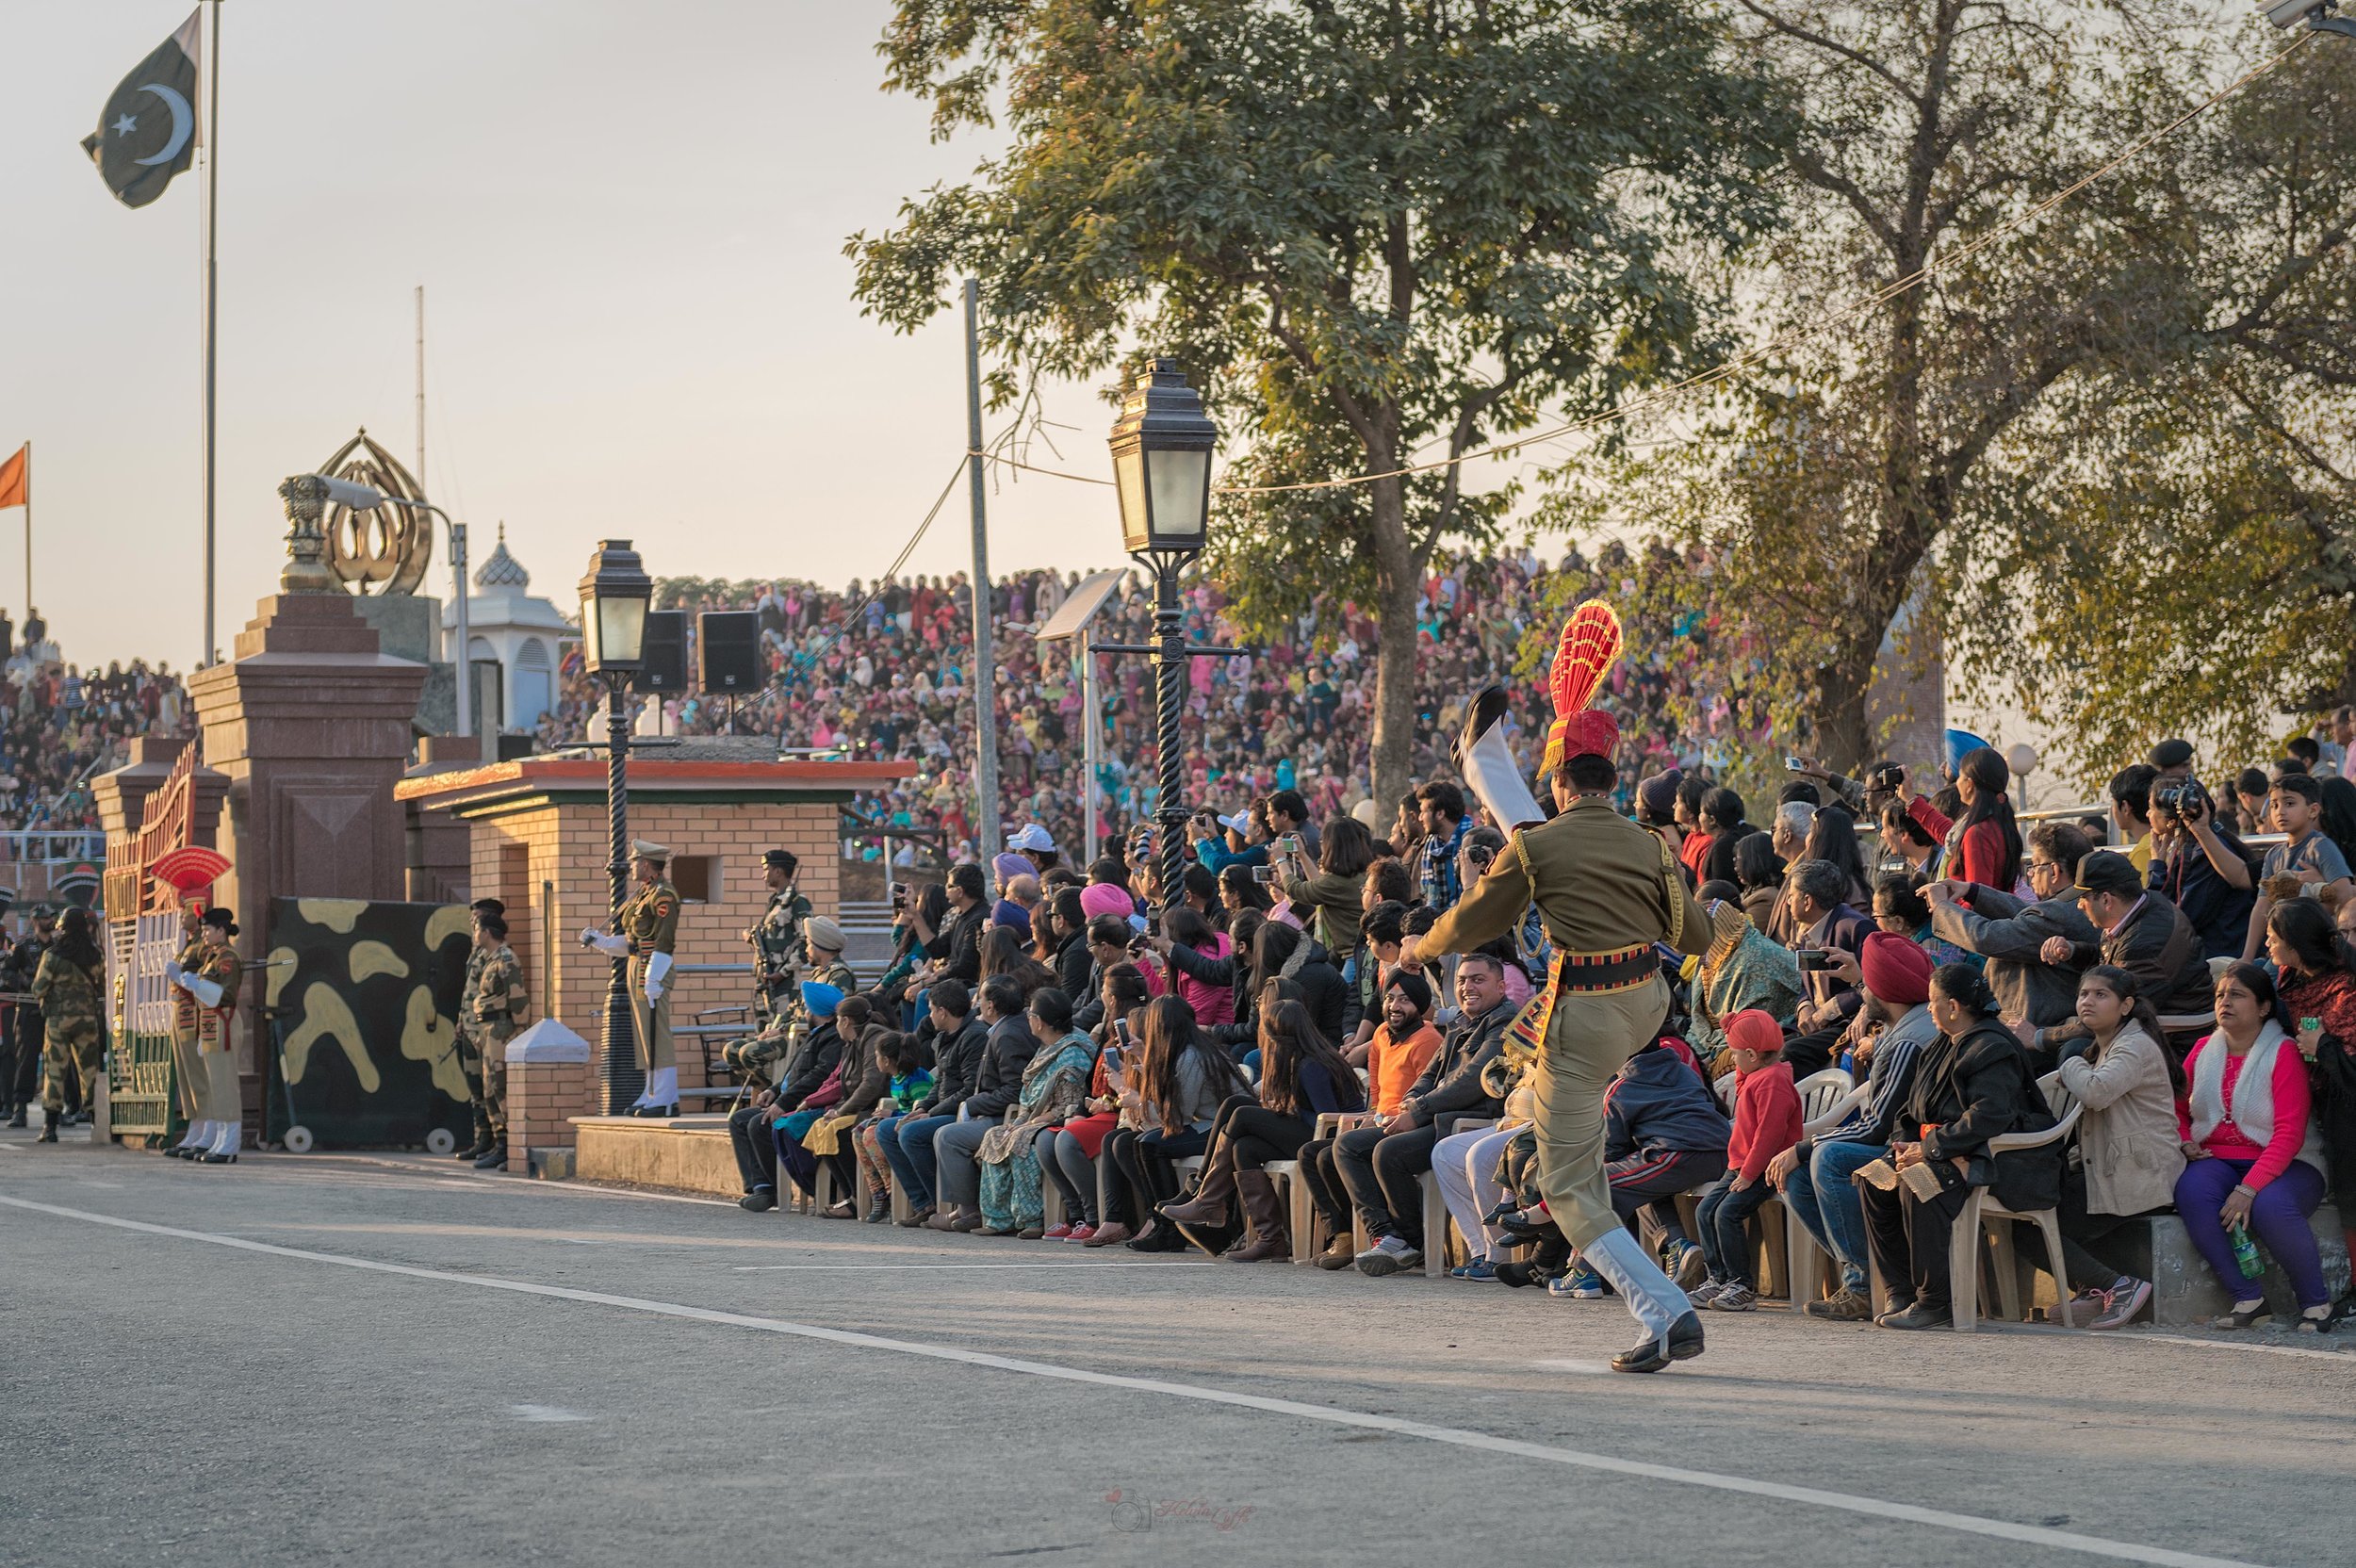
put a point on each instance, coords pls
(1909, 1015)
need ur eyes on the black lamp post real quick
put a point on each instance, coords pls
(1162, 469)
(614, 598)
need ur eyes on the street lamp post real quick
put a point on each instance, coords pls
(1161, 449)
(367, 498)
(614, 598)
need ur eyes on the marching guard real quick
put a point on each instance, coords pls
(646, 931)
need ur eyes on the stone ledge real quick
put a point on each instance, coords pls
(2183, 1290)
(687, 1153)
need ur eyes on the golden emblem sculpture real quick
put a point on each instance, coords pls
(386, 548)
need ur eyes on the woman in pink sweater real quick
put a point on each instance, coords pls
(2255, 1158)
(1212, 1003)
(1766, 1123)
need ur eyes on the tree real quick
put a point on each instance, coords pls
(1374, 231)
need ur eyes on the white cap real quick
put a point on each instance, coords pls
(1031, 836)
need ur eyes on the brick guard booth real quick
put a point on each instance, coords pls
(536, 837)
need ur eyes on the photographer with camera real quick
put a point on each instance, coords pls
(2200, 866)
(1827, 922)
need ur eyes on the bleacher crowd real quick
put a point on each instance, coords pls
(1909, 1016)
(883, 672)
(60, 727)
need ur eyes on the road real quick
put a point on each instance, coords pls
(357, 1359)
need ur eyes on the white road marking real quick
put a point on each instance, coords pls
(2349, 1357)
(2001, 1530)
(545, 1412)
(1573, 1365)
(773, 1267)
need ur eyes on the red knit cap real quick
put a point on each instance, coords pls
(1752, 1030)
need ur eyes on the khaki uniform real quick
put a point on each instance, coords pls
(187, 1065)
(788, 1026)
(495, 1005)
(778, 951)
(650, 921)
(67, 994)
(1608, 890)
(224, 1099)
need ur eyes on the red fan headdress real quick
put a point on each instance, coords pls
(1590, 641)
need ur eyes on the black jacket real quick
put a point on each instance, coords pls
(1450, 1085)
(821, 1049)
(1973, 1090)
(2332, 1075)
(959, 945)
(2157, 945)
(1011, 1048)
(957, 1066)
(1311, 968)
(2010, 934)
(1073, 965)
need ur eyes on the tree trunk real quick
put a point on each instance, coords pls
(1396, 576)
(1844, 738)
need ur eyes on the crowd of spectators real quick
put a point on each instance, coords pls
(60, 728)
(883, 673)
(1904, 997)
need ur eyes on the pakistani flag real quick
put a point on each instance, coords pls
(149, 133)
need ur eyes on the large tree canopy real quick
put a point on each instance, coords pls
(1376, 231)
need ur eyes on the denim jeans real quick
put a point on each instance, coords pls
(910, 1155)
(1821, 1194)
(1726, 1245)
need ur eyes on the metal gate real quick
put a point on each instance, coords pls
(141, 1097)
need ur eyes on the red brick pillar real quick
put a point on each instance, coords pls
(547, 1083)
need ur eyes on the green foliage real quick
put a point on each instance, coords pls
(1372, 231)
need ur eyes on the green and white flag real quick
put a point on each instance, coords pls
(149, 130)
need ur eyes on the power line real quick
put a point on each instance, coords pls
(890, 572)
(1749, 357)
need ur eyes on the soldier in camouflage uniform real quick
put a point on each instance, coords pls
(471, 1059)
(16, 974)
(495, 1005)
(821, 942)
(67, 990)
(777, 941)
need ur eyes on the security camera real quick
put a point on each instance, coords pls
(2290, 13)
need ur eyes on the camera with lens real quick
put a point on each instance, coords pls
(2184, 797)
(1886, 778)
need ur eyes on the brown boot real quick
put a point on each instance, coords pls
(1267, 1221)
(1208, 1206)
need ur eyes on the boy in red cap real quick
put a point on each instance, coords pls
(1766, 1123)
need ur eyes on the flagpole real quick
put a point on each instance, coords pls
(28, 530)
(212, 296)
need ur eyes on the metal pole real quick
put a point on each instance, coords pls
(1169, 666)
(421, 391)
(985, 668)
(29, 531)
(465, 636)
(1092, 720)
(625, 1080)
(212, 299)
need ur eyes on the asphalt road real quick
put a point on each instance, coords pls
(376, 1360)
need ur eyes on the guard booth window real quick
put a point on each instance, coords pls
(697, 878)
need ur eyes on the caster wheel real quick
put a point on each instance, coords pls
(298, 1141)
(441, 1141)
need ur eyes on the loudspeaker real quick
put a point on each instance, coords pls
(665, 665)
(727, 651)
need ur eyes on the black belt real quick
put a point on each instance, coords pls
(1603, 972)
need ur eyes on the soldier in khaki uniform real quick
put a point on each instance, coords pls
(646, 932)
(213, 984)
(1608, 891)
(496, 1007)
(777, 941)
(67, 990)
(471, 1057)
(789, 1024)
(188, 1064)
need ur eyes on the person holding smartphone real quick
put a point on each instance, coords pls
(1069, 1153)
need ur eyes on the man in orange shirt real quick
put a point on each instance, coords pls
(1402, 1048)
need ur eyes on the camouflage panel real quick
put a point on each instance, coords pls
(366, 1020)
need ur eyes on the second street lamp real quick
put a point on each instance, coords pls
(614, 598)
(1162, 468)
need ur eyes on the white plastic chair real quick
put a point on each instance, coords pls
(1804, 1259)
(1981, 1207)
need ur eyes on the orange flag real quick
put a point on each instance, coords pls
(16, 477)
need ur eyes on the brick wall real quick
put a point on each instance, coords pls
(540, 1097)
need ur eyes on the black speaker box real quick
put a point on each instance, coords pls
(665, 665)
(727, 651)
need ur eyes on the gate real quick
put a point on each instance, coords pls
(141, 1096)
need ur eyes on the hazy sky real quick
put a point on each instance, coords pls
(629, 222)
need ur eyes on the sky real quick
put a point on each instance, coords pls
(629, 222)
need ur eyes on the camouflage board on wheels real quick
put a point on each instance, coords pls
(364, 1021)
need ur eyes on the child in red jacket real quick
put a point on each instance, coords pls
(1766, 1123)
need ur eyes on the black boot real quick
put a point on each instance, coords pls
(1684, 1342)
(492, 1158)
(48, 1132)
(18, 1119)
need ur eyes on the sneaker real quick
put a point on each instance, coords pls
(1735, 1296)
(1582, 1283)
(1481, 1271)
(2119, 1305)
(1056, 1233)
(1685, 1263)
(1387, 1256)
(1081, 1233)
(1707, 1292)
(1843, 1306)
